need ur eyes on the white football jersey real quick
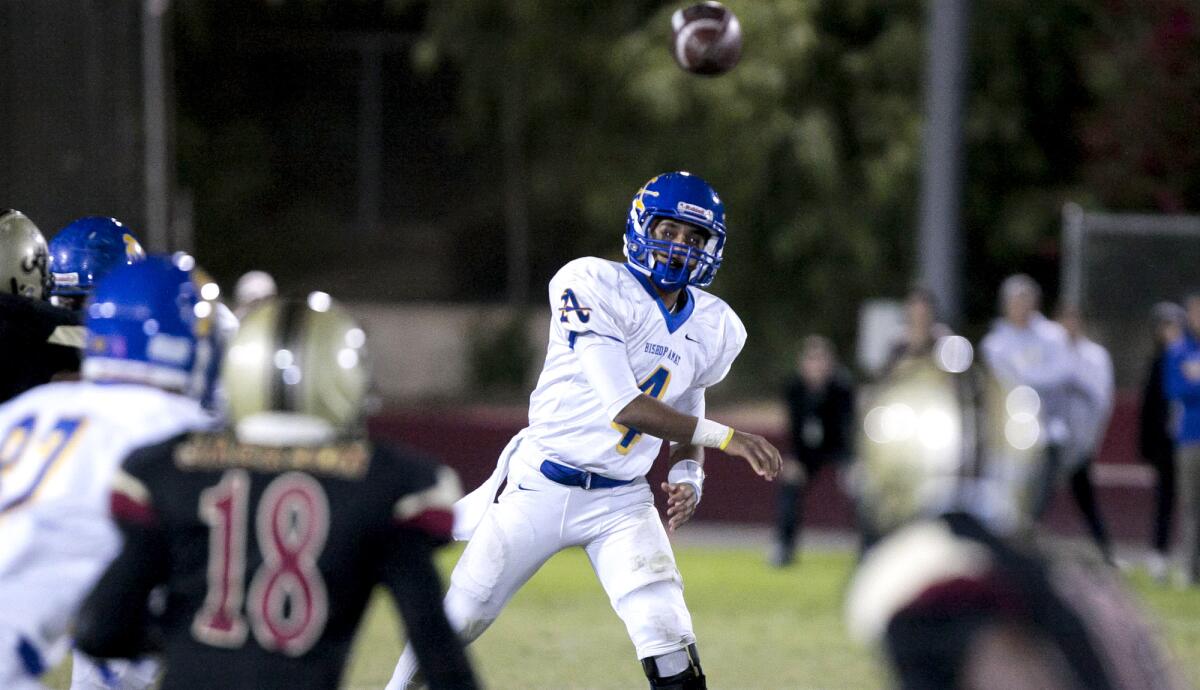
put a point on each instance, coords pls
(60, 445)
(674, 357)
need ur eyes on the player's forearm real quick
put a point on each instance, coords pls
(658, 419)
(687, 451)
(112, 621)
(416, 588)
(440, 653)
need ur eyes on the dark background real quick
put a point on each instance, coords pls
(390, 150)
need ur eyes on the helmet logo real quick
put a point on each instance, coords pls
(637, 198)
(112, 346)
(133, 250)
(694, 210)
(34, 262)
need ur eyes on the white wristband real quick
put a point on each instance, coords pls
(687, 472)
(711, 434)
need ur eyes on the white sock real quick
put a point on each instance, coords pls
(406, 669)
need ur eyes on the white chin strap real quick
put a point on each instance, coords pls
(133, 371)
(284, 429)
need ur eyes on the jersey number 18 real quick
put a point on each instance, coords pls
(288, 604)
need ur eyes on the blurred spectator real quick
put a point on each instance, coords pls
(1026, 348)
(820, 404)
(1089, 407)
(921, 329)
(954, 604)
(947, 593)
(1182, 377)
(253, 287)
(1155, 442)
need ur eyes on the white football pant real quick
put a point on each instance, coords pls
(536, 518)
(88, 673)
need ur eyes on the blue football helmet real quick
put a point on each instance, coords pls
(86, 250)
(686, 198)
(148, 323)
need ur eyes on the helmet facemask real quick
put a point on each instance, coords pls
(684, 198)
(672, 265)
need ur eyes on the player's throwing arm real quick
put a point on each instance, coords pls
(658, 419)
(686, 478)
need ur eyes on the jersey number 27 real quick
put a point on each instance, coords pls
(33, 462)
(287, 604)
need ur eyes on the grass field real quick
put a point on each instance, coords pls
(757, 628)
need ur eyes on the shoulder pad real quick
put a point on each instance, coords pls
(900, 568)
(431, 508)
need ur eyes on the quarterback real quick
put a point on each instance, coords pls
(632, 348)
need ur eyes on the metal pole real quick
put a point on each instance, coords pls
(1072, 250)
(154, 112)
(516, 201)
(939, 253)
(370, 135)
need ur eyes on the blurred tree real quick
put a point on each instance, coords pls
(812, 139)
(1143, 136)
(548, 115)
(1027, 97)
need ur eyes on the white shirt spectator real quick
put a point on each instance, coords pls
(1091, 397)
(1037, 355)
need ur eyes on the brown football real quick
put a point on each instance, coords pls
(706, 38)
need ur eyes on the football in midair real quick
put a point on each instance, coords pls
(706, 38)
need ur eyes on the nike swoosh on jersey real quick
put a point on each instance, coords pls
(688, 336)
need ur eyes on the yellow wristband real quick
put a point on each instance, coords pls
(728, 438)
(710, 434)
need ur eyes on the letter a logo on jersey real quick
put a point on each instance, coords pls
(570, 305)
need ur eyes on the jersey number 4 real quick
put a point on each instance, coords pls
(288, 604)
(654, 386)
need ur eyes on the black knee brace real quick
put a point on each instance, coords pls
(690, 679)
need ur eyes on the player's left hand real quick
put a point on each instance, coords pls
(681, 503)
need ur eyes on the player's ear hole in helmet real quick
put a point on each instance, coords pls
(24, 257)
(84, 252)
(683, 198)
(148, 323)
(296, 373)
